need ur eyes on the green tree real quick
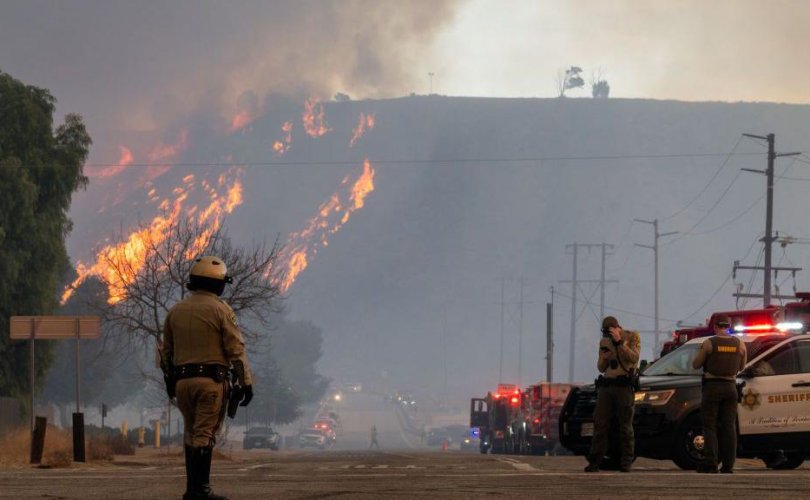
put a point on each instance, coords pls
(40, 169)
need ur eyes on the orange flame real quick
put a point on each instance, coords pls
(281, 147)
(119, 264)
(313, 118)
(125, 159)
(241, 120)
(165, 153)
(332, 215)
(364, 123)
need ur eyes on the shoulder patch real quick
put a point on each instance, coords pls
(634, 339)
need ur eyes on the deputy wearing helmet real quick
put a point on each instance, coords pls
(201, 342)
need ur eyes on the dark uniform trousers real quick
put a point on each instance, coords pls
(719, 414)
(613, 401)
(202, 402)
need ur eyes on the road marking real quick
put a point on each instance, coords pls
(517, 464)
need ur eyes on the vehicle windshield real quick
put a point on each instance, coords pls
(677, 362)
(260, 430)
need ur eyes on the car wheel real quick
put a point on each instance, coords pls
(688, 452)
(788, 461)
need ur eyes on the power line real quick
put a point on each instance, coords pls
(616, 309)
(750, 207)
(716, 173)
(438, 161)
(722, 284)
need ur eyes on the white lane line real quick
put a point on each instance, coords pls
(517, 464)
(257, 466)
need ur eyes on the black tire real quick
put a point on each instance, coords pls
(688, 449)
(790, 461)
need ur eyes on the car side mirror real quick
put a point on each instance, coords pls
(747, 373)
(644, 364)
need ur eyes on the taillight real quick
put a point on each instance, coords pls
(515, 400)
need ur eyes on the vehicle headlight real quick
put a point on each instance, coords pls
(654, 398)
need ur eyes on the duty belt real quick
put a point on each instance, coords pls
(216, 372)
(621, 381)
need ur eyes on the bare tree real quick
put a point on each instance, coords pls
(147, 278)
(569, 79)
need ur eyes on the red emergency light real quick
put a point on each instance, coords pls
(515, 400)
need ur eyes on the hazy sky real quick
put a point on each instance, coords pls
(136, 65)
(696, 50)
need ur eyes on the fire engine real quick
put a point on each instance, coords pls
(535, 429)
(792, 312)
(493, 416)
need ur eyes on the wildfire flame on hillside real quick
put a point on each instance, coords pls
(165, 153)
(125, 159)
(241, 120)
(331, 216)
(364, 123)
(222, 198)
(313, 118)
(118, 264)
(282, 146)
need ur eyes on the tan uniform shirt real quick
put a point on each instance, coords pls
(201, 329)
(628, 351)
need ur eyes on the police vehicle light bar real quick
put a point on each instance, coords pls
(782, 327)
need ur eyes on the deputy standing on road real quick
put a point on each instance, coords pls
(618, 362)
(721, 358)
(201, 341)
(374, 438)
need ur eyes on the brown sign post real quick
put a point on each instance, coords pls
(34, 328)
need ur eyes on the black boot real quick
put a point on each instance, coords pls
(189, 494)
(203, 462)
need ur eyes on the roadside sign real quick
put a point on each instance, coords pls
(33, 328)
(55, 327)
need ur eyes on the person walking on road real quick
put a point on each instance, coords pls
(615, 388)
(721, 357)
(374, 438)
(201, 342)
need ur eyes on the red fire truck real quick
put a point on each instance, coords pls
(493, 414)
(535, 428)
(793, 315)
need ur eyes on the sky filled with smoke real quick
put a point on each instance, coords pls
(168, 81)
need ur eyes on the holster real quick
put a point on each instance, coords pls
(234, 394)
(171, 382)
(740, 387)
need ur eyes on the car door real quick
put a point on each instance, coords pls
(479, 413)
(777, 395)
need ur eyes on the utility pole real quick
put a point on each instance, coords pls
(430, 74)
(520, 338)
(574, 284)
(550, 338)
(654, 248)
(500, 362)
(739, 294)
(768, 239)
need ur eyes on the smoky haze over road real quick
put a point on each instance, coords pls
(438, 233)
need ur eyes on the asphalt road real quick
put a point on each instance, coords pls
(398, 474)
(404, 468)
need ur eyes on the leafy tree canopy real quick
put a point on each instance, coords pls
(40, 169)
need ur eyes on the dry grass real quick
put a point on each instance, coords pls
(15, 448)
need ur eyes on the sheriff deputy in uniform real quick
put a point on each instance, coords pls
(201, 342)
(618, 361)
(721, 357)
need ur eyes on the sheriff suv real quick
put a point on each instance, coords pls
(773, 415)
